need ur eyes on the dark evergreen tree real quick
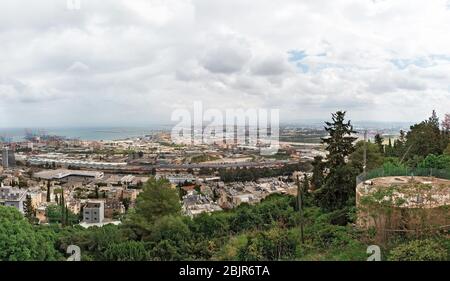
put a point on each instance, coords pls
(339, 143)
(434, 120)
(374, 158)
(29, 210)
(63, 207)
(339, 185)
(425, 138)
(399, 146)
(379, 142)
(48, 191)
(318, 170)
(66, 217)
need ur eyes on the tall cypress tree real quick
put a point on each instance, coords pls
(305, 186)
(379, 142)
(339, 185)
(48, 191)
(63, 207)
(339, 143)
(29, 209)
(66, 216)
(300, 196)
(318, 170)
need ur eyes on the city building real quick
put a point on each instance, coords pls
(68, 175)
(8, 158)
(94, 212)
(12, 197)
(113, 208)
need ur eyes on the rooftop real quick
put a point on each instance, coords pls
(407, 191)
(62, 173)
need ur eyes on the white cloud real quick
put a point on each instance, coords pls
(134, 61)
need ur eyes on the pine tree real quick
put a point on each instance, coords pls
(425, 138)
(434, 120)
(29, 210)
(339, 185)
(300, 208)
(66, 216)
(318, 170)
(48, 191)
(340, 142)
(399, 146)
(305, 186)
(379, 142)
(389, 148)
(63, 207)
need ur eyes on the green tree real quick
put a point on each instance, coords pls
(55, 214)
(339, 143)
(19, 241)
(48, 191)
(157, 199)
(126, 251)
(171, 228)
(63, 208)
(434, 120)
(374, 158)
(436, 162)
(165, 250)
(271, 245)
(30, 212)
(379, 142)
(318, 170)
(338, 190)
(447, 150)
(126, 203)
(425, 138)
(399, 147)
(339, 184)
(419, 250)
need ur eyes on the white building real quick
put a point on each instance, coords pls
(94, 212)
(12, 197)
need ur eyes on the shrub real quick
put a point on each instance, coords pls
(419, 250)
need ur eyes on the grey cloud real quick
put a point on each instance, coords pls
(272, 65)
(12, 91)
(225, 60)
(133, 61)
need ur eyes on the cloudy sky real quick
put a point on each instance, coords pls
(132, 62)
